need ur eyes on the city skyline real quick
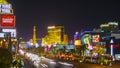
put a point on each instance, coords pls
(73, 15)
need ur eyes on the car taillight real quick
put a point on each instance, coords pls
(62, 55)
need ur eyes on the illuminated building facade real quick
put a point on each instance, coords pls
(92, 41)
(111, 32)
(100, 41)
(55, 35)
(109, 27)
(8, 32)
(77, 41)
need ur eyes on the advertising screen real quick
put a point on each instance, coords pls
(1, 35)
(96, 38)
(12, 32)
(6, 9)
(7, 21)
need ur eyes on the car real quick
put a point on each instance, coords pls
(89, 59)
(63, 56)
(74, 57)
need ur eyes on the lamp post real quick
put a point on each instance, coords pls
(8, 38)
(111, 47)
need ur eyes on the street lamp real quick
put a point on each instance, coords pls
(111, 47)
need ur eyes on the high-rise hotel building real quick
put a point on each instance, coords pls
(55, 35)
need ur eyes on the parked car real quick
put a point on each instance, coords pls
(89, 59)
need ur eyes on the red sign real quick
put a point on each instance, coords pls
(7, 21)
(96, 38)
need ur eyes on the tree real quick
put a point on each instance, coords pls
(5, 58)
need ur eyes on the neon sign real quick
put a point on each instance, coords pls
(7, 21)
(6, 9)
(13, 32)
(96, 38)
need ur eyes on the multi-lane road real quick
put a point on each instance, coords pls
(34, 61)
(58, 64)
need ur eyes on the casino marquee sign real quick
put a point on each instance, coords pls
(7, 21)
(7, 18)
(6, 9)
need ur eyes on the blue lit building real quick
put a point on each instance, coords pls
(101, 39)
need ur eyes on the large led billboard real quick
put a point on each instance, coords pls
(12, 32)
(7, 21)
(6, 9)
(95, 38)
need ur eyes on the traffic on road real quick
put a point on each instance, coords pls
(35, 61)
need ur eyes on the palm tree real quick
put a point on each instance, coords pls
(5, 58)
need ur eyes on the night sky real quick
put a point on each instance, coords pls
(74, 15)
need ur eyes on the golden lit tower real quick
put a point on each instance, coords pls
(56, 34)
(34, 35)
(3, 1)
